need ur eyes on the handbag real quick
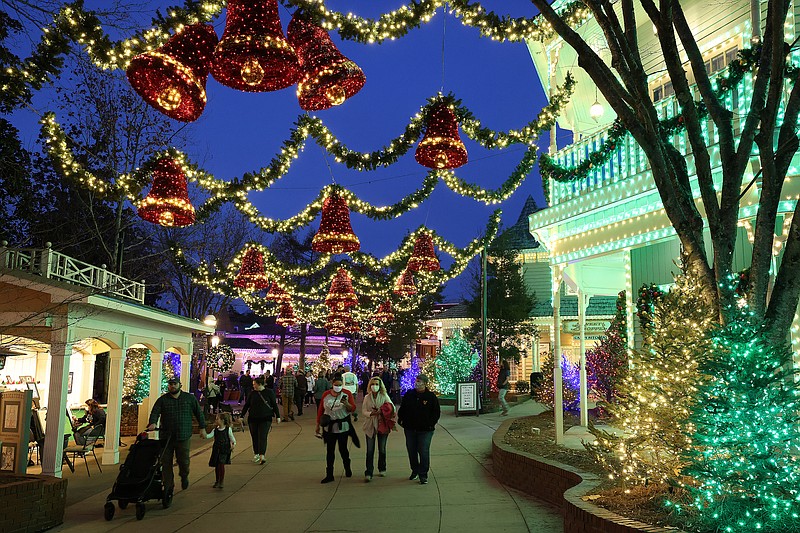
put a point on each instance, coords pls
(325, 420)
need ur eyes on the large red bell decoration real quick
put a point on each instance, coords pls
(441, 147)
(253, 55)
(341, 295)
(277, 294)
(329, 78)
(338, 323)
(252, 276)
(405, 284)
(382, 336)
(335, 234)
(384, 312)
(173, 77)
(286, 316)
(423, 257)
(167, 203)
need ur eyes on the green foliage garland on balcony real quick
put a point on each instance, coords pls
(747, 60)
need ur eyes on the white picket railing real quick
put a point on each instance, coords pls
(48, 263)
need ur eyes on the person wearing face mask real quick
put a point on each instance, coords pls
(333, 417)
(419, 412)
(175, 409)
(379, 414)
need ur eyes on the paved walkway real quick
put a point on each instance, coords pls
(285, 495)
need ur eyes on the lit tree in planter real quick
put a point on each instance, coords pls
(454, 363)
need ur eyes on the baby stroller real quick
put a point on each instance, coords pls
(139, 478)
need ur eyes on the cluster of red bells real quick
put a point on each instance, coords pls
(253, 55)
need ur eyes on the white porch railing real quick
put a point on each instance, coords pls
(50, 264)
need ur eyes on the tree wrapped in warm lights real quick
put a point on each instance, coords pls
(744, 430)
(655, 398)
(329, 78)
(441, 147)
(335, 234)
(167, 203)
(136, 378)
(173, 77)
(323, 361)
(649, 295)
(454, 363)
(570, 380)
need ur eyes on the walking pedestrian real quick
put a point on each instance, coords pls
(379, 414)
(419, 412)
(309, 399)
(224, 442)
(321, 384)
(288, 385)
(245, 386)
(175, 410)
(333, 418)
(300, 390)
(503, 384)
(213, 394)
(260, 407)
(395, 388)
(350, 383)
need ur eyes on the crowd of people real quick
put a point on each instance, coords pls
(335, 394)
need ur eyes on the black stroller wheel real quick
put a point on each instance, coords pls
(123, 504)
(108, 511)
(140, 511)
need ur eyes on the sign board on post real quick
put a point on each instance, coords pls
(468, 400)
(15, 429)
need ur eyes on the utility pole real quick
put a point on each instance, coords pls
(484, 316)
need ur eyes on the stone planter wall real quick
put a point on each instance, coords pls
(561, 485)
(31, 503)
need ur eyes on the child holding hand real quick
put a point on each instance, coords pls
(224, 442)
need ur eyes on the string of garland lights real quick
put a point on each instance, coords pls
(746, 60)
(307, 126)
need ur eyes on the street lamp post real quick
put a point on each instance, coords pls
(484, 316)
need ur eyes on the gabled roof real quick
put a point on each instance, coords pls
(242, 343)
(518, 237)
(457, 311)
(598, 306)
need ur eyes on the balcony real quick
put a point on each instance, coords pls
(50, 264)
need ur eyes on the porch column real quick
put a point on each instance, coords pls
(156, 365)
(116, 371)
(537, 366)
(558, 401)
(42, 367)
(186, 368)
(87, 376)
(60, 353)
(582, 303)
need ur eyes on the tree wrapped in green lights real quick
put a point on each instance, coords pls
(654, 400)
(744, 430)
(454, 363)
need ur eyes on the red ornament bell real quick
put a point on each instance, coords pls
(343, 322)
(252, 276)
(329, 78)
(423, 257)
(253, 55)
(341, 295)
(167, 203)
(382, 336)
(335, 234)
(441, 147)
(384, 312)
(172, 78)
(286, 316)
(405, 284)
(277, 294)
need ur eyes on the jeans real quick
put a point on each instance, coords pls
(299, 395)
(418, 445)
(258, 433)
(371, 453)
(331, 439)
(245, 392)
(501, 395)
(179, 450)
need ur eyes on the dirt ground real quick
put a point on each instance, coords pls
(639, 503)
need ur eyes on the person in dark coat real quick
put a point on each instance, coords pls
(262, 407)
(95, 416)
(419, 412)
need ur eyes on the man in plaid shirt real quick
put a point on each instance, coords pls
(176, 408)
(288, 384)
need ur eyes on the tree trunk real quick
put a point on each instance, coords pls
(303, 333)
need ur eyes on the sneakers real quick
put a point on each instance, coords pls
(184, 483)
(256, 458)
(263, 460)
(382, 473)
(413, 476)
(423, 481)
(167, 499)
(367, 478)
(219, 485)
(215, 485)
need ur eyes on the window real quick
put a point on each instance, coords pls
(718, 62)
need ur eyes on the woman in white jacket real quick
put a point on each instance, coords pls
(379, 415)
